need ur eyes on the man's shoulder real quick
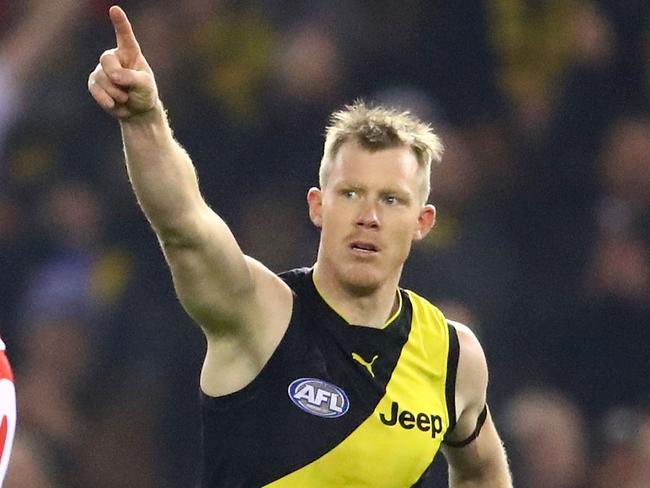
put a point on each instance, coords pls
(295, 273)
(296, 277)
(472, 374)
(424, 303)
(469, 344)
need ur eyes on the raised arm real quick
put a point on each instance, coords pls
(228, 294)
(473, 449)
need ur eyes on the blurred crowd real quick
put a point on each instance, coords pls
(542, 244)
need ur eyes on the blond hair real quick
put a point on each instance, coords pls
(376, 128)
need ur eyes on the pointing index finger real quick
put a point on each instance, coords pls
(127, 44)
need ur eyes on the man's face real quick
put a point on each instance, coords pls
(370, 211)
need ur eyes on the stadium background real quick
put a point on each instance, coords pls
(542, 243)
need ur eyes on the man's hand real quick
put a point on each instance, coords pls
(123, 83)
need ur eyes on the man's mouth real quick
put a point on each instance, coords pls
(365, 247)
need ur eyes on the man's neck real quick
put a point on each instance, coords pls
(372, 309)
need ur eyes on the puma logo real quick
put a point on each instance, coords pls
(364, 363)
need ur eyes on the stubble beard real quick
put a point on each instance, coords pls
(363, 278)
(358, 281)
(356, 277)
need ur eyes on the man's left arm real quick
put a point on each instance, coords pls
(474, 451)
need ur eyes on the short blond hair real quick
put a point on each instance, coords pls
(376, 128)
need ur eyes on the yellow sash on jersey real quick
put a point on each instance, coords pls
(379, 455)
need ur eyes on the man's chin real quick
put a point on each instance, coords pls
(360, 280)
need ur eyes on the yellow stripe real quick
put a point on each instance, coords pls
(374, 454)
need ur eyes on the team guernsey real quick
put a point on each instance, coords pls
(7, 411)
(337, 404)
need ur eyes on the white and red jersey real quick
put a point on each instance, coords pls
(7, 411)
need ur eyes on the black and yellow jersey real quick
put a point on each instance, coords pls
(338, 405)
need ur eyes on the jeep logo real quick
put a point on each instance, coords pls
(319, 397)
(408, 420)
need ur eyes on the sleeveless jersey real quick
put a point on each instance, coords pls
(338, 405)
(7, 411)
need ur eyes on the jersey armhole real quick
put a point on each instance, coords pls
(275, 363)
(452, 369)
(450, 392)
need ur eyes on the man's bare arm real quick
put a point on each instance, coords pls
(481, 462)
(215, 282)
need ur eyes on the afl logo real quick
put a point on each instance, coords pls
(319, 397)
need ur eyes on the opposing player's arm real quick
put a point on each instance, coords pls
(216, 283)
(473, 448)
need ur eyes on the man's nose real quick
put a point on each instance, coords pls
(368, 216)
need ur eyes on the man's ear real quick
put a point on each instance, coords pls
(315, 202)
(426, 221)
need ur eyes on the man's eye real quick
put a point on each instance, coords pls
(391, 200)
(350, 194)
